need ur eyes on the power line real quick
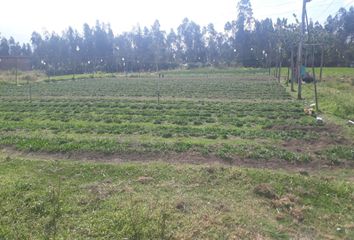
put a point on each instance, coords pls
(325, 11)
(275, 5)
(276, 14)
(352, 2)
(329, 6)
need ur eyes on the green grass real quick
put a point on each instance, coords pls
(213, 70)
(328, 73)
(39, 76)
(335, 96)
(75, 200)
(23, 77)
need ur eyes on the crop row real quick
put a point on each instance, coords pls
(188, 113)
(215, 87)
(167, 131)
(109, 146)
(238, 120)
(150, 108)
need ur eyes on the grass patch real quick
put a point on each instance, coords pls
(51, 199)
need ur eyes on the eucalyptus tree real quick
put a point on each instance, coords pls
(211, 39)
(158, 44)
(4, 47)
(243, 26)
(174, 48)
(192, 44)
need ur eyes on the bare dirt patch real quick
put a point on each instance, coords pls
(328, 136)
(176, 158)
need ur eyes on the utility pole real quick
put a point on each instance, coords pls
(299, 54)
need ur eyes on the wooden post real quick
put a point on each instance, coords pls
(269, 58)
(288, 76)
(299, 57)
(269, 68)
(74, 69)
(158, 91)
(292, 70)
(48, 70)
(158, 85)
(314, 76)
(277, 66)
(321, 66)
(280, 63)
(93, 67)
(29, 91)
(124, 69)
(16, 71)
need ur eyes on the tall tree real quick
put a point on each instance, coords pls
(243, 25)
(158, 43)
(192, 42)
(4, 47)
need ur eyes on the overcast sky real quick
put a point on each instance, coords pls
(19, 18)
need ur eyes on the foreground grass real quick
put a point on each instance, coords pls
(76, 200)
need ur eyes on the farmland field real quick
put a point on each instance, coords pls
(230, 117)
(220, 115)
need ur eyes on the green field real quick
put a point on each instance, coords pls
(216, 120)
(219, 115)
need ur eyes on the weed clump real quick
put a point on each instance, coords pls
(167, 135)
(265, 190)
(297, 213)
(145, 180)
(182, 206)
(285, 202)
(157, 121)
(211, 136)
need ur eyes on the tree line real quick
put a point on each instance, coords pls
(244, 42)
